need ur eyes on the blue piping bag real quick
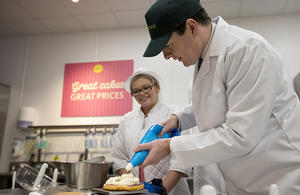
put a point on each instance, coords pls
(151, 134)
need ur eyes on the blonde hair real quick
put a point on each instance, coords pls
(147, 76)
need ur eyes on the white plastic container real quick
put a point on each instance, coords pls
(26, 117)
(27, 177)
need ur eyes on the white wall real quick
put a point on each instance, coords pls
(34, 68)
(283, 34)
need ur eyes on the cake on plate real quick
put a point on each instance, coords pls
(125, 182)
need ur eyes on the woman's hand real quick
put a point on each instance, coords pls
(169, 124)
(158, 149)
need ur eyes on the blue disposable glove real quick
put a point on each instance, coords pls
(155, 186)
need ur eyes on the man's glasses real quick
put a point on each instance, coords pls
(144, 89)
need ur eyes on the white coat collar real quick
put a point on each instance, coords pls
(221, 27)
(213, 48)
(153, 110)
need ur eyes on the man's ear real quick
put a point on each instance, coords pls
(192, 26)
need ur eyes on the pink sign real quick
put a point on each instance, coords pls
(96, 89)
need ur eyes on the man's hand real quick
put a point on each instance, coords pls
(158, 149)
(169, 124)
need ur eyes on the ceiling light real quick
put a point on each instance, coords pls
(75, 1)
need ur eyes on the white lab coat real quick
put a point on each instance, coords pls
(247, 112)
(208, 174)
(131, 130)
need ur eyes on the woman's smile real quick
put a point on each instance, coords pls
(144, 98)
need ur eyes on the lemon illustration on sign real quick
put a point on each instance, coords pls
(98, 68)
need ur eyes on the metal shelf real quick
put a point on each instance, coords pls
(76, 128)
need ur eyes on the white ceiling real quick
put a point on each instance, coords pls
(36, 17)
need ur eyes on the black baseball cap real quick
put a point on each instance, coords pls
(163, 17)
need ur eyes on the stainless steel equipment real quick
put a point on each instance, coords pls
(86, 175)
(96, 159)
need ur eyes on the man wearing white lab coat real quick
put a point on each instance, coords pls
(242, 102)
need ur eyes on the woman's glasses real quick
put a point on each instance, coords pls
(145, 89)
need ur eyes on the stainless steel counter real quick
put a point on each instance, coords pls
(22, 191)
(16, 191)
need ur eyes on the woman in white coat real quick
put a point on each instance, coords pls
(144, 86)
(242, 102)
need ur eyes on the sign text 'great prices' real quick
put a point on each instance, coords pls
(96, 89)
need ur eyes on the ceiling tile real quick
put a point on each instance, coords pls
(65, 24)
(261, 7)
(118, 5)
(6, 32)
(27, 27)
(99, 21)
(43, 8)
(228, 9)
(293, 6)
(86, 6)
(216, 1)
(131, 18)
(32, 17)
(9, 11)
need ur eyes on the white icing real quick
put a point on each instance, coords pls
(125, 179)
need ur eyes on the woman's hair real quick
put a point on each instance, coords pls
(147, 76)
(201, 17)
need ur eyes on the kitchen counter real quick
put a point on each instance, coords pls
(16, 191)
(6, 179)
(22, 191)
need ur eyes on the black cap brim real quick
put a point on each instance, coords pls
(157, 45)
